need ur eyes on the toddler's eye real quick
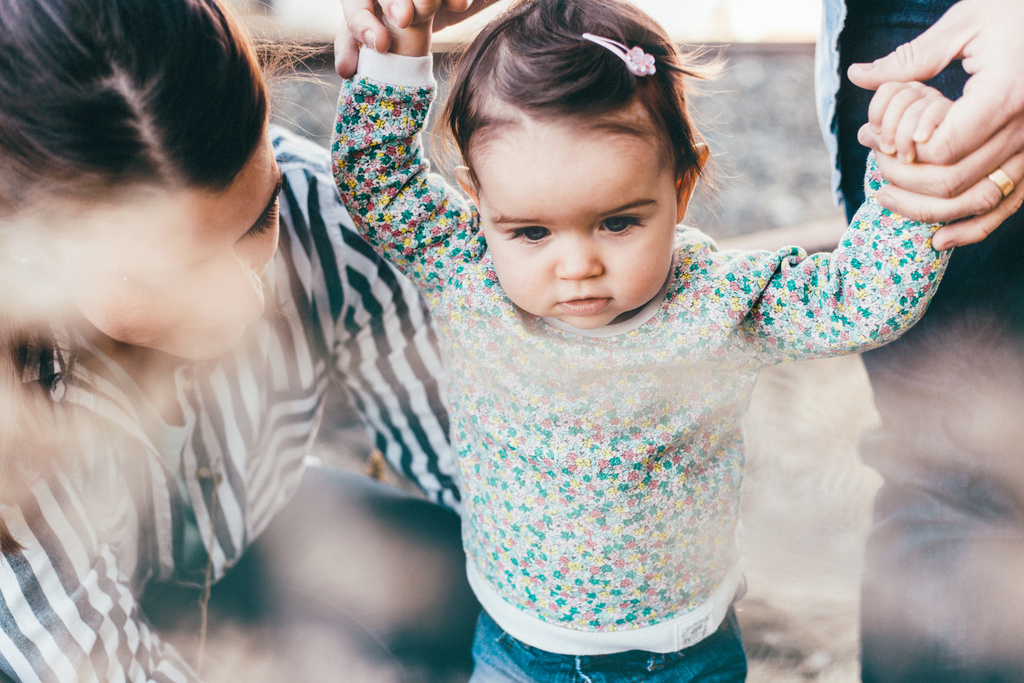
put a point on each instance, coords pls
(533, 233)
(619, 223)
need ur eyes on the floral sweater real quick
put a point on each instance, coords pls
(600, 474)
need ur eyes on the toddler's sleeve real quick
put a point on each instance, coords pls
(873, 287)
(411, 216)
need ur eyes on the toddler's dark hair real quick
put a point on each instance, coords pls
(534, 59)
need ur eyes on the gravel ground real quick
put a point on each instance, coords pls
(806, 497)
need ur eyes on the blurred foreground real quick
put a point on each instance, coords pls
(806, 509)
(807, 497)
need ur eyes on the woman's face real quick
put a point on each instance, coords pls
(175, 270)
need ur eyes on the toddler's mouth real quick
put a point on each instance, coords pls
(585, 307)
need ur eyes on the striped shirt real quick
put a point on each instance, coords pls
(112, 517)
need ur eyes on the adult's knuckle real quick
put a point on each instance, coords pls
(1014, 202)
(361, 18)
(988, 199)
(917, 208)
(945, 148)
(947, 186)
(904, 54)
(979, 232)
(1016, 136)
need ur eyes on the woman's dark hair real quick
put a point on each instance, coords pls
(96, 94)
(533, 58)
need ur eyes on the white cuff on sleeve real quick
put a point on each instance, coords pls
(413, 72)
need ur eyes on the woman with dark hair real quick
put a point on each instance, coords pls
(181, 288)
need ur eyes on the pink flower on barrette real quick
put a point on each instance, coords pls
(639, 62)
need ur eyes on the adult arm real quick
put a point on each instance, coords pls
(67, 611)
(365, 25)
(369, 320)
(982, 131)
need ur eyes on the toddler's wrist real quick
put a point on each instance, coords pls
(395, 69)
(413, 41)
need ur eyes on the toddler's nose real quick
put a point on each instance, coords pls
(579, 264)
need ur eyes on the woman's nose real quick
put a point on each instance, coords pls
(243, 299)
(238, 300)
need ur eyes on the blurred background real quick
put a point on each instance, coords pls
(770, 169)
(807, 497)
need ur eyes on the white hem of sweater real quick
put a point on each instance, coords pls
(411, 72)
(670, 635)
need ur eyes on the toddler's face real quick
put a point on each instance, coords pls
(579, 219)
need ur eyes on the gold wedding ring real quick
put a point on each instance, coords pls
(1002, 180)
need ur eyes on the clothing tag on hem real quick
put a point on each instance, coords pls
(697, 630)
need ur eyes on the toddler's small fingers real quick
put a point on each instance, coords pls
(867, 136)
(894, 111)
(931, 117)
(906, 148)
(880, 102)
(426, 9)
(400, 13)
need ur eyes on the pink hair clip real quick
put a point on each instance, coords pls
(638, 62)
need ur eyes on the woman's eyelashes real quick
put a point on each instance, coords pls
(266, 222)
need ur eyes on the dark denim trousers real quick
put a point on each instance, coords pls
(943, 591)
(500, 658)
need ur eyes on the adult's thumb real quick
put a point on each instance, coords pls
(921, 58)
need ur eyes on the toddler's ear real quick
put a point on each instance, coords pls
(465, 179)
(688, 181)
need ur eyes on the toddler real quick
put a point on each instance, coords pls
(599, 355)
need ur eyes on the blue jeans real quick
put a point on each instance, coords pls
(500, 658)
(943, 588)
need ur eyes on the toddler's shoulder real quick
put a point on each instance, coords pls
(693, 240)
(695, 255)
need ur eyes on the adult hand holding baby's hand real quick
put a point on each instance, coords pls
(365, 25)
(902, 116)
(948, 177)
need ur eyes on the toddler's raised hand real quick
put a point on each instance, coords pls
(904, 115)
(410, 22)
(363, 26)
(404, 14)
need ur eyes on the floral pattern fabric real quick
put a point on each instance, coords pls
(601, 475)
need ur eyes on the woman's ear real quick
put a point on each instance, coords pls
(465, 180)
(688, 181)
